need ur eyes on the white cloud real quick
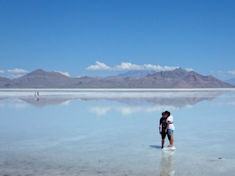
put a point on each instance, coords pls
(127, 66)
(13, 73)
(128, 110)
(158, 67)
(232, 103)
(17, 71)
(64, 73)
(231, 72)
(224, 75)
(98, 66)
(13, 103)
(16, 75)
(99, 111)
(65, 103)
(189, 69)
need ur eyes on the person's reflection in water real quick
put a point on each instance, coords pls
(167, 164)
(36, 95)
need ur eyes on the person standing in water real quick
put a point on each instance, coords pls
(170, 128)
(163, 128)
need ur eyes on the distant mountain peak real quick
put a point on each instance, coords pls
(42, 72)
(181, 70)
(136, 73)
(39, 71)
(174, 74)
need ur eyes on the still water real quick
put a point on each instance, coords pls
(105, 132)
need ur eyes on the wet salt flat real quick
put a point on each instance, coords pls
(106, 132)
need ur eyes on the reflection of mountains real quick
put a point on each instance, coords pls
(180, 102)
(45, 101)
(177, 99)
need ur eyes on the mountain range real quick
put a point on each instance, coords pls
(178, 78)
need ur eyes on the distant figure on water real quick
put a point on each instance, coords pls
(36, 95)
(166, 127)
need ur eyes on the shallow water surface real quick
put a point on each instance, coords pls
(116, 133)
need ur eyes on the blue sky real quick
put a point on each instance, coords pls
(70, 36)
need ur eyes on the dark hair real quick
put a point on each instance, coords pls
(168, 113)
(163, 113)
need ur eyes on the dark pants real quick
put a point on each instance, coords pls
(163, 134)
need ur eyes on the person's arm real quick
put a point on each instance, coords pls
(168, 123)
(170, 120)
(160, 126)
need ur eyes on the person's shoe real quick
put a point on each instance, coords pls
(169, 148)
(172, 148)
